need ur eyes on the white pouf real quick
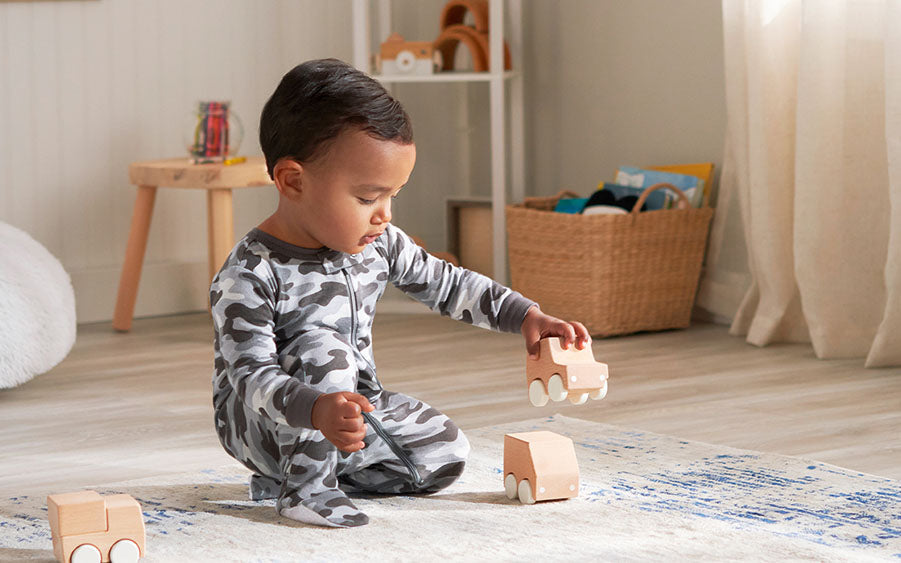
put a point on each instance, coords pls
(37, 308)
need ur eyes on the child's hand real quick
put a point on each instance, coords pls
(537, 325)
(337, 416)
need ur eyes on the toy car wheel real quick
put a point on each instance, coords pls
(86, 553)
(600, 393)
(124, 551)
(525, 492)
(578, 398)
(537, 395)
(510, 486)
(555, 389)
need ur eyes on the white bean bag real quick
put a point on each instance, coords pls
(37, 308)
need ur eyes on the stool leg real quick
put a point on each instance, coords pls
(134, 258)
(221, 227)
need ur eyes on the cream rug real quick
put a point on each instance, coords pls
(643, 497)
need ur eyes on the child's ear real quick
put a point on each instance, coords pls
(288, 177)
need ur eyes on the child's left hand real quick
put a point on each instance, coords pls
(537, 325)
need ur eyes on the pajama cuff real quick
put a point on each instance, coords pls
(513, 311)
(299, 405)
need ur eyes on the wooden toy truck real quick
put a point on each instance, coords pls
(559, 373)
(90, 528)
(540, 466)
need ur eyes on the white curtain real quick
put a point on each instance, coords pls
(813, 164)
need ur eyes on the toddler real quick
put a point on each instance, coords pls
(295, 391)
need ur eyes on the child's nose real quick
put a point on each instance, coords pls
(383, 213)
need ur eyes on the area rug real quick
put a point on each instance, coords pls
(642, 497)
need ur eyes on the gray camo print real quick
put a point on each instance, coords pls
(292, 323)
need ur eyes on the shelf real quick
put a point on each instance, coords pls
(504, 151)
(444, 77)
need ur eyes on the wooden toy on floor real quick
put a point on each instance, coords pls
(559, 373)
(90, 528)
(540, 466)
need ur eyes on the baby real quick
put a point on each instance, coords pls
(295, 391)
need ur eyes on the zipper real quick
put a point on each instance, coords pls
(376, 425)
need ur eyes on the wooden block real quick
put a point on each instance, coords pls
(545, 461)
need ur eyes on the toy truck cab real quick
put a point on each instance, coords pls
(90, 528)
(559, 373)
(540, 466)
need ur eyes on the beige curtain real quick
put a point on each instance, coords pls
(813, 165)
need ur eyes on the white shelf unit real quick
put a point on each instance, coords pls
(498, 79)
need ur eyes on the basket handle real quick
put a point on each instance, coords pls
(644, 195)
(564, 194)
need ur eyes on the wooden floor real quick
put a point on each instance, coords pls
(123, 406)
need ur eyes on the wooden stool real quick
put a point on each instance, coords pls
(217, 179)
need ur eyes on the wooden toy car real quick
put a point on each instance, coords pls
(398, 56)
(540, 466)
(90, 528)
(559, 373)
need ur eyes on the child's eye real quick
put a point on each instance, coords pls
(366, 201)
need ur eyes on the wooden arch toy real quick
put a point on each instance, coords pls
(454, 13)
(475, 41)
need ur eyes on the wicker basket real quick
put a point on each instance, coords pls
(616, 274)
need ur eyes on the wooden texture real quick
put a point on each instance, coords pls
(217, 180)
(134, 257)
(138, 404)
(86, 517)
(546, 459)
(221, 228)
(577, 368)
(181, 173)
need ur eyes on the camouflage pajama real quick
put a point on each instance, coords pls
(293, 323)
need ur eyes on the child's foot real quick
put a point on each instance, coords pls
(327, 508)
(263, 487)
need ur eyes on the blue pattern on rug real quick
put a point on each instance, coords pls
(786, 496)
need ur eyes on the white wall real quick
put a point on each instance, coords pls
(88, 86)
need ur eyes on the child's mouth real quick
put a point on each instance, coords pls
(368, 239)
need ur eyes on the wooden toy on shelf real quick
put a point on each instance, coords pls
(559, 373)
(476, 37)
(90, 528)
(540, 466)
(398, 56)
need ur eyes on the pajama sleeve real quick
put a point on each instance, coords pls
(450, 290)
(243, 308)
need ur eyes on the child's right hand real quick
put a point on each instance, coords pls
(337, 416)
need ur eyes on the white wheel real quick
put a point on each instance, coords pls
(510, 486)
(537, 396)
(525, 492)
(600, 393)
(124, 551)
(578, 398)
(86, 553)
(555, 389)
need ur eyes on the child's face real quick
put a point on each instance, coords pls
(344, 201)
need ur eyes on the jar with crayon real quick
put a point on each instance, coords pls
(215, 133)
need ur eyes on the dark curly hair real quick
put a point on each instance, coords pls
(316, 101)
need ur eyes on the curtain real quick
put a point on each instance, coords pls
(812, 165)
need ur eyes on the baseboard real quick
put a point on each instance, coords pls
(176, 287)
(165, 289)
(719, 295)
